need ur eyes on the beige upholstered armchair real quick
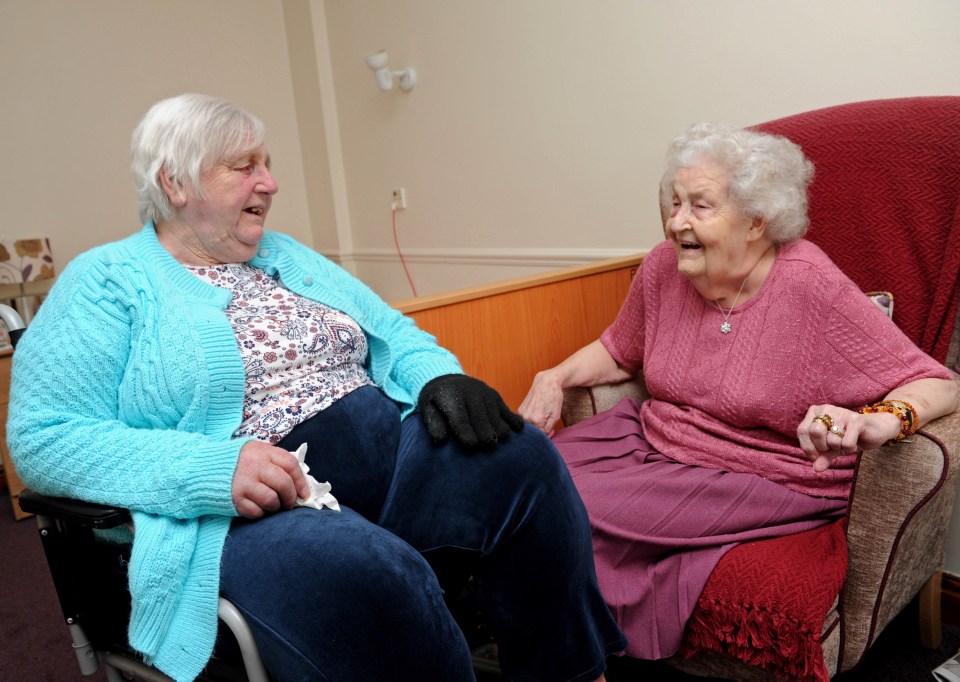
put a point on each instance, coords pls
(885, 205)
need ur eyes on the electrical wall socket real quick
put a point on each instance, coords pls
(399, 199)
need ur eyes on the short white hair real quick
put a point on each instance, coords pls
(184, 136)
(768, 175)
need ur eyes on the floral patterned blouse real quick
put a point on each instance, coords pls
(299, 356)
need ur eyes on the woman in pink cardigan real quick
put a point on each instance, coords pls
(768, 370)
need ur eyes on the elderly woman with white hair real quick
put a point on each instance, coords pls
(175, 371)
(768, 372)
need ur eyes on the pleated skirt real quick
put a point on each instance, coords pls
(660, 527)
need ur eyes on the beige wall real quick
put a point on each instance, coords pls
(76, 77)
(538, 127)
(533, 140)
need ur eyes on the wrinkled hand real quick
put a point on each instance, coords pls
(542, 405)
(267, 479)
(856, 432)
(467, 408)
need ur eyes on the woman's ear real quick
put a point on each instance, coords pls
(758, 228)
(173, 189)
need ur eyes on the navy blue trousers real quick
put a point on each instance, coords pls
(360, 594)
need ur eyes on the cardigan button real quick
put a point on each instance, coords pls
(264, 253)
(308, 280)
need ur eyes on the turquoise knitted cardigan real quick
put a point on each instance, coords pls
(127, 388)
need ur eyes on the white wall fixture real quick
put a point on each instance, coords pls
(378, 63)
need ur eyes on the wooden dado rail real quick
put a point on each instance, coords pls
(504, 333)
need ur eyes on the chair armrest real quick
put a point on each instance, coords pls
(584, 402)
(78, 512)
(899, 513)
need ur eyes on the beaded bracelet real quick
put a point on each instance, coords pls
(904, 411)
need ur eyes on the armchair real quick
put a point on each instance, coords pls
(885, 205)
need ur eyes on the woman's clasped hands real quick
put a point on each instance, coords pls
(828, 431)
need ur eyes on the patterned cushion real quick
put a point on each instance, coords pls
(883, 300)
(953, 354)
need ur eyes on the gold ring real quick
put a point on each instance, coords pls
(837, 430)
(825, 419)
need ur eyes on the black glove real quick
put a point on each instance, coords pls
(467, 407)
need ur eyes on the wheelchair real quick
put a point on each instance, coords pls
(87, 547)
(90, 576)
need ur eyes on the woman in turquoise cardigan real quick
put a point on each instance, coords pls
(174, 372)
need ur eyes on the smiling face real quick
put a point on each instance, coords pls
(224, 222)
(714, 241)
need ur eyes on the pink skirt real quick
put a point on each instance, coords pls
(660, 527)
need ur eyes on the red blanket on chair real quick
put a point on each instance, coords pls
(885, 203)
(792, 582)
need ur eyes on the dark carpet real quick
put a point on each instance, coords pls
(895, 657)
(35, 644)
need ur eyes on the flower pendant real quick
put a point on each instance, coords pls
(725, 327)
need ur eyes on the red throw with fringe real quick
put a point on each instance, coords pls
(766, 601)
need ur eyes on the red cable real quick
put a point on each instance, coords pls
(400, 253)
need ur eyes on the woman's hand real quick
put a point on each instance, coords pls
(589, 366)
(267, 479)
(852, 431)
(542, 405)
(828, 431)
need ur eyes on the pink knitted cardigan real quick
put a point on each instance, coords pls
(734, 401)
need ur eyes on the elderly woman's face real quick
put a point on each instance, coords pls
(227, 221)
(708, 231)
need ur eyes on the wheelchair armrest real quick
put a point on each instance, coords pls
(87, 514)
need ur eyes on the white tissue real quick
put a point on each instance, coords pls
(320, 496)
